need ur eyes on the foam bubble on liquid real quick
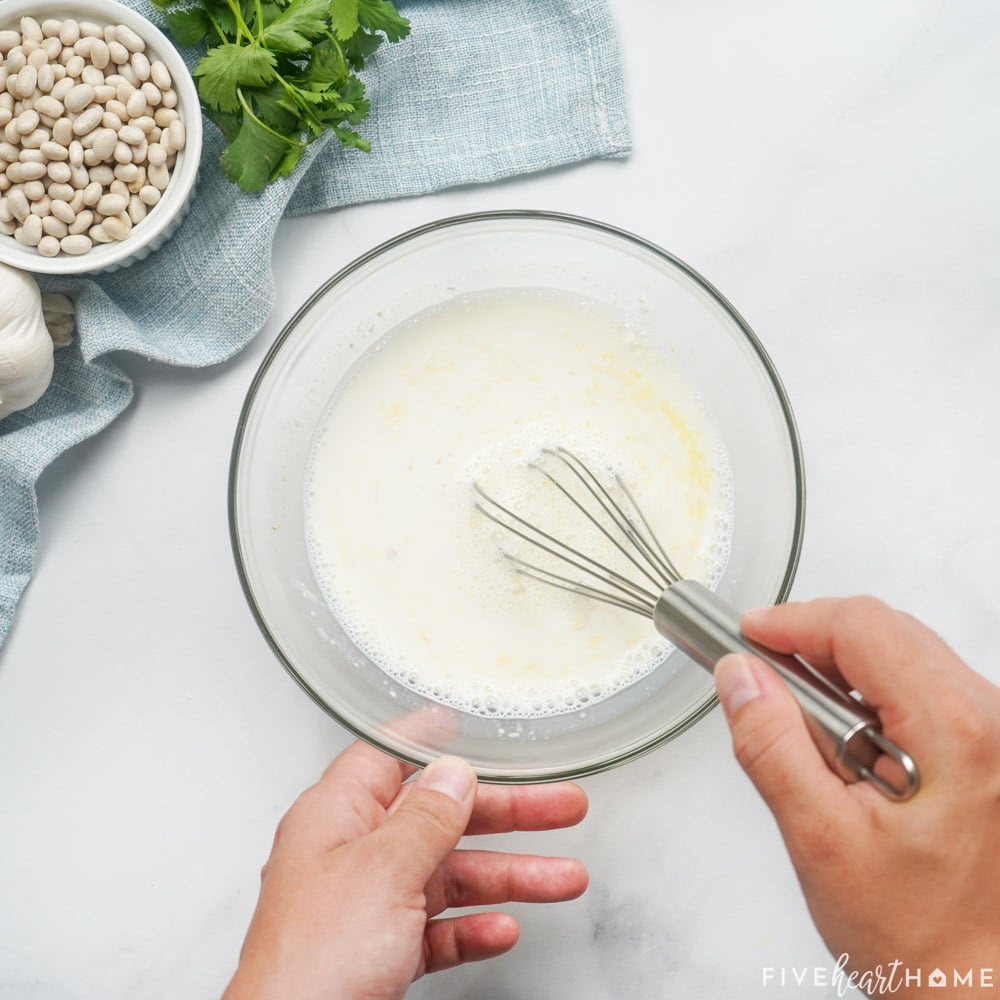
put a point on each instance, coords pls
(476, 391)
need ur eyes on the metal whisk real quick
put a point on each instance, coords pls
(695, 619)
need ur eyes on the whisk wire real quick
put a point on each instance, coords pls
(595, 569)
(651, 551)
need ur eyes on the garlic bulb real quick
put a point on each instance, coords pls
(25, 343)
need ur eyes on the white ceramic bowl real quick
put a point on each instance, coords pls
(418, 270)
(163, 219)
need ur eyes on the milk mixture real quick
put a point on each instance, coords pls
(471, 392)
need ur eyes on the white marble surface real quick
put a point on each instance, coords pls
(832, 168)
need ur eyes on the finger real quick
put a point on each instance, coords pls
(917, 685)
(469, 938)
(485, 878)
(429, 822)
(504, 808)
(774, 747)
(364, 768)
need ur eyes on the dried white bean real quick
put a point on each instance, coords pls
(18, 204)
(69, 31)
(123, 152)
(104, 93)
(8, 39)
(79, 177)
(27, 121)
(62, 87)
(119, 54)
(93, 76)
(52, 47)
(46, 78)
(31, 156)
(102, 174)
(104, 143)
(131, 135)
(81, 223)
(159, 177)
(38, 58)
(79, 97)
(164, 116)
(29, 171)
(34, 190)
(129, 38)
(27, 79)
(75, 245)
(59, 172)
(119, 188)
(111, 121)
(99, 54)
(76, 153)
(98, 235)
(30, 28)
(136, 209)
(63, 211)
(112, 204)
(49, 106)
(156, 155)
(9, 152)
(136, 104)
(48, 246)
(53, 226)
(74, 66)
(140, 66)
(31, 231)
(118, 227)
(51, 150)
(153, 96)
(61, 191)
(87, 121)
(118, 107)
(126, 172)
(34, 140)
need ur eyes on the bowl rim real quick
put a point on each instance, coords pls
(182, 181)
(528, 215)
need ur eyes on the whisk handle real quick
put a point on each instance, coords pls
(847, 732)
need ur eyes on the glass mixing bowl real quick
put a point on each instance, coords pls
(713, 346)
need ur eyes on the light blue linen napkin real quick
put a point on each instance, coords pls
(478, 92)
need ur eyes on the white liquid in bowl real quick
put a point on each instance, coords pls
(472, 391)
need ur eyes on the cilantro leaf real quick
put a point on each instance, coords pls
(190, 26)
(343, 18)
(256, 155)
(380, 15)
(295, 28)
(226, 68)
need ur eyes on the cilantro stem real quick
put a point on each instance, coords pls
(247, 110)
(242, 28)
(260, 21)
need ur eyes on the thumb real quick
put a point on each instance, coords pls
(431, 819)
(771, 741)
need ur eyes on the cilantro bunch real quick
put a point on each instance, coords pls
(277, 74)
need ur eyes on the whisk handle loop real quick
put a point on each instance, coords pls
(847, 732)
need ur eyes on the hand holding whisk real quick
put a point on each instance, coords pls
(695, 619)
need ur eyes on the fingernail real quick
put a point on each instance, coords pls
(735, 682)
(450, 776)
